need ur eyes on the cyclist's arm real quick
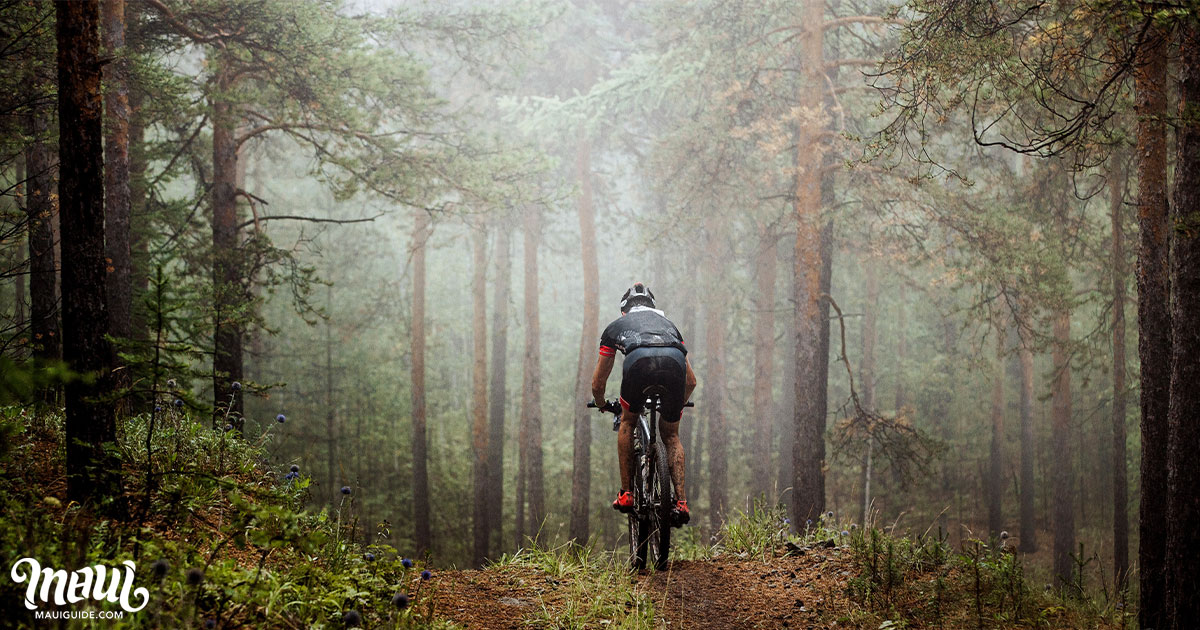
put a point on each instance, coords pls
(604, 367)
(690, 384)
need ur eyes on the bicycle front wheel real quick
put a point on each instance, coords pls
(661, 501)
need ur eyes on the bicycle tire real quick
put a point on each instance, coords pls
(639, 525)
(662, 503)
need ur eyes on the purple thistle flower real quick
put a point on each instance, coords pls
(407, 562)
(210, 624)
(845, 533)
(178, 403)
(236, 386)
(370, 557)
(345, 489)
(194, 576)
(160, 568)
(400, 600)
(352, 619)
(281, 418)
(425, 575)
(295, 468)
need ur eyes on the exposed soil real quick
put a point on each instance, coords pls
(803, 591)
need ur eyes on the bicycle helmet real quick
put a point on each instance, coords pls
(635, 295)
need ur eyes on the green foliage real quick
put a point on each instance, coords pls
(219, 537)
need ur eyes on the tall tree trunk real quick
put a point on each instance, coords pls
(531, 379)
(581, 462)
(763, 415)
(995, 484)
(93, 468)
(808, 445)
(714, 377)
(116, 187)
(1064, 507)
(42, 214)
(787, 406)
(1154, 321)
(901, 346)
(228, 292)
(867, 375)
(499, 397)
(332, 438)
(422, 537)
(139, 214)
(1183, 544)
(1024, 322)
(479, 426)
(1119, 483)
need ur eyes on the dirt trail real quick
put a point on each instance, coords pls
(804, 591)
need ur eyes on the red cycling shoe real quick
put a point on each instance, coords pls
(681, 513)
(624, 502)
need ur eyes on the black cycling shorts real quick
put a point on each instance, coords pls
(650, 366)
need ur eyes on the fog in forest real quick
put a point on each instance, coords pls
(381, 240)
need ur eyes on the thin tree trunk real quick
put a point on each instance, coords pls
(867, 376)
(1183, 544)
(92, 466)
(581, 463)
(1064, 511)
(1120, 484)
(422, 537)
(808, 445)
(139, 238)
(479, 425)
(116, 187)
(995, 484)
(1154, 322)
(228, 292)
(331, 436)
(787, 407)
(714, 378)
(42, 215)
(1028, 542)
(901, 346)
(499, 397)
(531, 380)
(763, 415)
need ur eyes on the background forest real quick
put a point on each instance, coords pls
(380, 239)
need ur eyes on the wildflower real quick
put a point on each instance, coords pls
(400, 600)
(295, 468)
(407, 562)
(228, 428)
(178, 403)
(345, 489)
(370, 557)
(209, 624)
(157, 408)
(425, 575)
(808, 523)
(171, 383)
(195, 576)
(853, 526)
(352, 619)
(1003, 535)
(845, 533)
(281, 418)
(236, 386)
(290, 476)
(160, 568)
(787, 521)
(829, 514)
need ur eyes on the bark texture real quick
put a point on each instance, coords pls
(529, 438)
(1183, 544)
(763, 416)
(42, 214)
(119, 284)
(498, 396)
(1154, 322)
(1119, 474)
(479, 428)
(995, 481)
(93, 471)
(1064, 511)
(1028, 541)
(228, 291)
(581, 461)
(422, 537)
(715, 320)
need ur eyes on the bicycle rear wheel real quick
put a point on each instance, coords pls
(639, 524)
(661, 503)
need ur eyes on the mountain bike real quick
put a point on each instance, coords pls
(653, 493)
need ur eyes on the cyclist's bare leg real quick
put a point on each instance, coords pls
(669, 432)
(625, 448)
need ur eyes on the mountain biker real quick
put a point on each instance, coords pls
(654, 355)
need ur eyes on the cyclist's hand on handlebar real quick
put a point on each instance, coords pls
(609, 406)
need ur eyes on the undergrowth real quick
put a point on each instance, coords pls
(219, 538)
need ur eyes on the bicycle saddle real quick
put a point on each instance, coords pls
(654, 390)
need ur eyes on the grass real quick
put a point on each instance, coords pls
(219, 538)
